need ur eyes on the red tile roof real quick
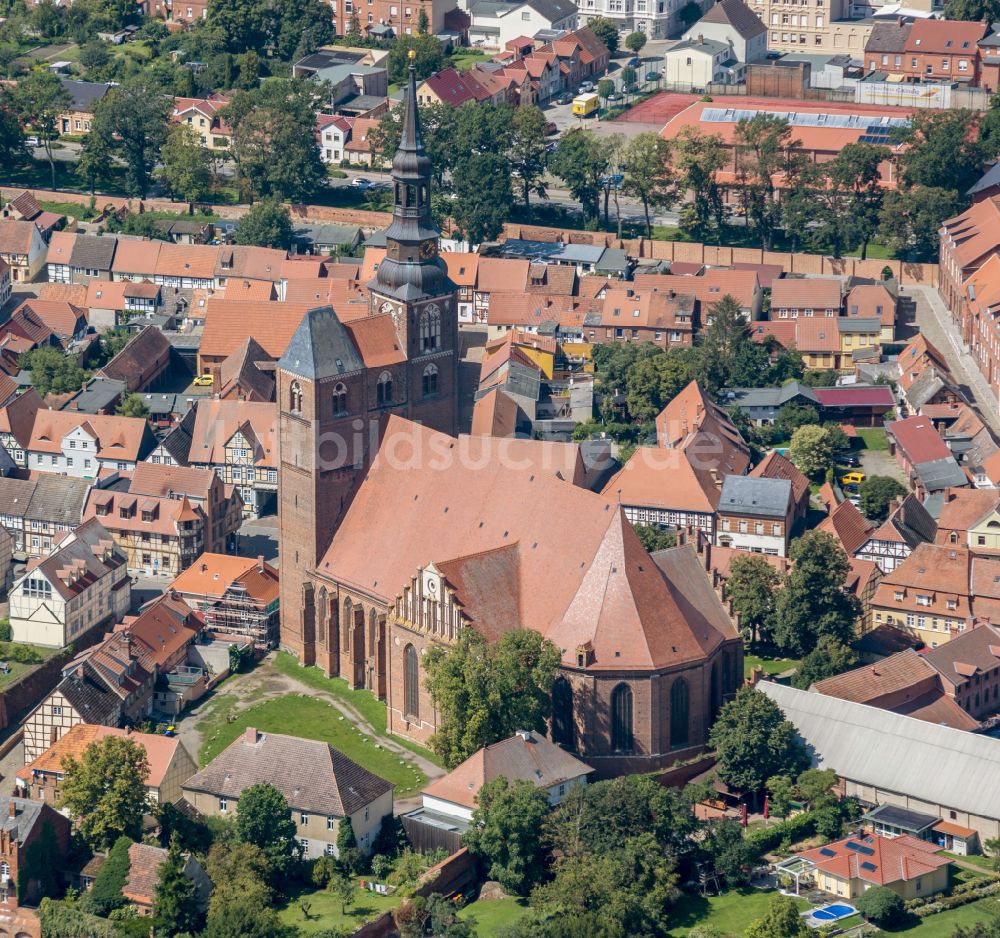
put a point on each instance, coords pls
(918, 439)
(884, 860)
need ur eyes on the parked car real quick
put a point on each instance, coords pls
(653, 76)
(846, 459)
(852, 478)
(358, 183)
(585, 87)
(616, 96)
(203, 381)
(32, 142)
(633, 63)
(565, 98)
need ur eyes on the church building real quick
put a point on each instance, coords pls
(395, 533)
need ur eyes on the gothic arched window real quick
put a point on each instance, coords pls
(430, 329)
(321, 613)
(384, 389)
(295, 398)
(411, 682)
(430, 381)
(562, 714)
(348, 623)
(340, 399)
(679, 709)
(621, 719)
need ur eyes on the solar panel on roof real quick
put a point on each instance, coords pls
(871, 867)
(717, 115)
(867, 851)
(827, 852)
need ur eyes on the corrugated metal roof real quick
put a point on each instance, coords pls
(901, 754)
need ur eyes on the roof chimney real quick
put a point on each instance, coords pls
(701, 39)
(12, 808)
(260, 563)
(251, 736)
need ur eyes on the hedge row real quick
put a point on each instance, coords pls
(795, 828)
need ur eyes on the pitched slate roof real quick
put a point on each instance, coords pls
(759, 497)
(26, 816)
(737, 14)
(93, 252)
(90, 696)
(321, 347)
(58, 498)
(312, 775)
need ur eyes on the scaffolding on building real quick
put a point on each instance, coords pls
(238, 613)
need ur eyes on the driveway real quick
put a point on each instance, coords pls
(935, 322)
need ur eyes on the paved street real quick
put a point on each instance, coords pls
(935, 322)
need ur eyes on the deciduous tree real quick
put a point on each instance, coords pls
(697, 158)
(647, 174)
(52, 371)
(830, 657)
(132, 405)
(486, 692)
(813, 604)
(105, 790)
(754, 742)
(910, 221)
(266, 224)
(186, 166)
(941, 153)
(812, 450)
(40, 98)
(581, 160)
(606, 31)
(483, 196)
(264, 819)
(527, 153)
(782, 920)
(752, 587)
(506, 831)
(429, 57)
(877, 493)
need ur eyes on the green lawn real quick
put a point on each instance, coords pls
(324, 911)
(943, 924)
(729, 913)
(365, 702)
(17, 669)
(874, 438)
(466, 59)
(300, 715)
(985, 862)
(770, 665)
(72, 209)
(491, 915)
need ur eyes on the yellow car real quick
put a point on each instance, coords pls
(203, 381)
(852, 478)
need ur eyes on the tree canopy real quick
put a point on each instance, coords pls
(754, 742)
(485, 692)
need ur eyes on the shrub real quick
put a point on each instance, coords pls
(6, 632)
(881, 906)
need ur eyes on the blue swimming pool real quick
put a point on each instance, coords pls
(833, 913)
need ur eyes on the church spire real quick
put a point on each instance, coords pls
(411, 269)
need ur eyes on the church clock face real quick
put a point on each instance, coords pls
(428, 250)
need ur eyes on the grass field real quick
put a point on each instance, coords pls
(491, 915)
(301, 715)
(729, 913)
(466, 59)
(365, 702)
(874, 438)
(324, 911)
(17, 669)
(944, 924)
(986, 863)
(770, 665)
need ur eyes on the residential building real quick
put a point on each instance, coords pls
(924, 456)
(920, 765)
(79, 258)
(824, 27)
(182, 12)
(851, 528)
(235, 595)
(144, 358)
(6, 284)
(941, 50)
(709, 286)
(699, 62)
(818, 339)
(170, 764)
(755, 514)
(764, 405)
(82, 585)
(448, 803)
(244, 375)
(82, 445)
(733, 22)
(658, 19)
(82, 696)
(237, 440)
(938, 592)
(776, 466)
(23, 824)
(53, 506)
(909, 524)
(889, 821)
(497, 22)
(65, 321)
(203, 117)
(678, 484)
(143, 879)
(910, 867)
(457, 88)
(629, 315)
(22, 249)
(84, 97)
(874, 301)
(321, 784)
(334, 131)
(806, 297)
(17, 417)
(159, 536)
